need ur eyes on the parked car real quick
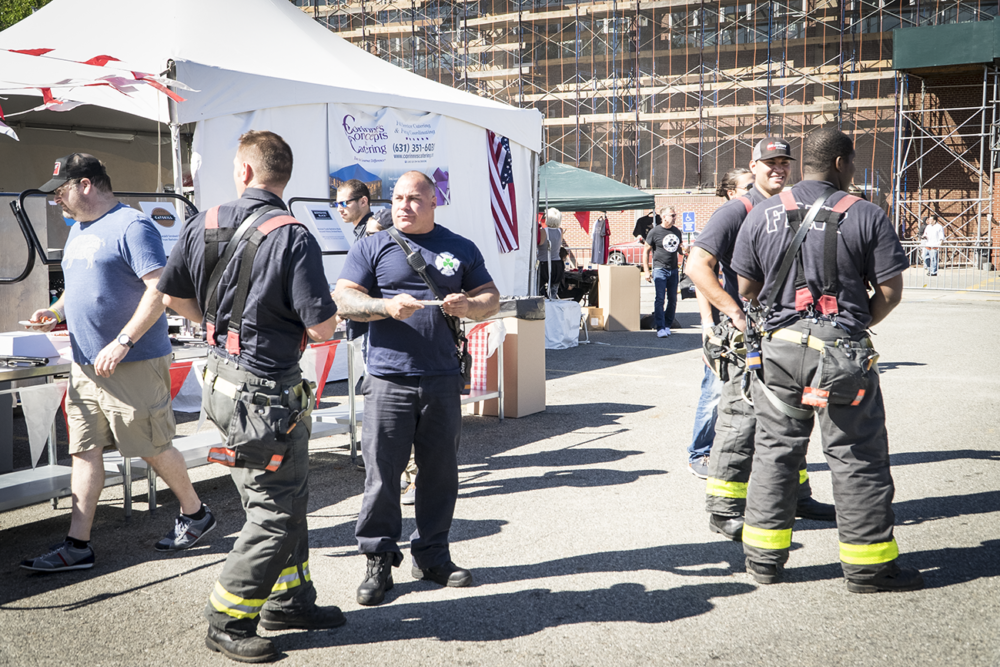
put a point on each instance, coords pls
(626, 253)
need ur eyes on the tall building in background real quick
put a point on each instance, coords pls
(668, 95)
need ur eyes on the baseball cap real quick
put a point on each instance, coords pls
(769, 147)
(77, 165)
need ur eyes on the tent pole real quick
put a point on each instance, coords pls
(532, 255)
(175, 145)
(175, 142)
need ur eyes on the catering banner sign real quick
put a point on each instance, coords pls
(165, 219)
(377, 148)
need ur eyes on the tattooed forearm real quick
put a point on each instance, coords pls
(355, 305)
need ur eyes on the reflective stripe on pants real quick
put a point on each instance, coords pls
(857, 450)
(268, 567)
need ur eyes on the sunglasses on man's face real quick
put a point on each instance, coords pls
(343, 204)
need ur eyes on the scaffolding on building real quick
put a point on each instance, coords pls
(947, 149)
(671, 94)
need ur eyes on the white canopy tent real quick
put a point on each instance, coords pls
(256, 64)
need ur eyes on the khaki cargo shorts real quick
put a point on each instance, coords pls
(130, 410)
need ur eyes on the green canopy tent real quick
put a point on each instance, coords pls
(570, 189)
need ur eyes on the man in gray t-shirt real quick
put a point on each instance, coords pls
(119, 394)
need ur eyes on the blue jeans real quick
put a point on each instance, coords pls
(931, 260)
(705, 416)
(665, 282)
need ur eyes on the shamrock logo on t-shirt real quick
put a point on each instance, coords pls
(671, 242)
(447, 264)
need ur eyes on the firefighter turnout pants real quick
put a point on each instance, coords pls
(731, 458)
(856, 446)
(269, 564)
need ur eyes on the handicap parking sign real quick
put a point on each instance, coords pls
(687, 219)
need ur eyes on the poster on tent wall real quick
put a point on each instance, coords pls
(164, 216)
(377, 148)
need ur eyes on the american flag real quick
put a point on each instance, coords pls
(503, 203)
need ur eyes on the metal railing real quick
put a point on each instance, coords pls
(961, 266)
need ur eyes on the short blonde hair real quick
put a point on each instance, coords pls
(553, 218)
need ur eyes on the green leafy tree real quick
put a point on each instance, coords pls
(12, 11)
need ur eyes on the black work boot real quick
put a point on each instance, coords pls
(812, 509)
(764, 573)
(895, 580)
(317, 618)
(240, 649)
(730, 527)
(378, 579)
(448, 574)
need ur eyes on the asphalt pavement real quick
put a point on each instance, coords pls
(585, 532)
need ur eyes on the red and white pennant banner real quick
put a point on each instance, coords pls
(122, 80)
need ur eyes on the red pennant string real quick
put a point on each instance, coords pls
(159, 86)
(31, 52)
(100, 61)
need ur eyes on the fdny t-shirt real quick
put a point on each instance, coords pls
(421, 345)
(868, 252)
(103, 263)
(718, 238)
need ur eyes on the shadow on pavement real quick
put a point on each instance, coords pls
(584, 478)
(913, 458)
(609, 349)
(341, 536)
(893, 365)
(509, 615)
(39, 583)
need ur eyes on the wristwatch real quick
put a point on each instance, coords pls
(123, 339)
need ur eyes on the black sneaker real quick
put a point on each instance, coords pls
(240, 649)
(317, 618)
(699, 467)
(448, 574)
(764, 573)
(378, 579)
(730, 527)
(60, 558)
(812, 509)
(186, 532)
(906, 579)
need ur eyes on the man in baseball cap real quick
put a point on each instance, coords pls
(769, 147)
(112, 262)
(75, 167)
(771, 164)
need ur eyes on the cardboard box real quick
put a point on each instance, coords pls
(523, 370)
(618, 294)
(26, 344)
(595, 319)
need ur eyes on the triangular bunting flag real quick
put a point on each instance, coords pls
(325, 353)
(40, 404)
(178, 374)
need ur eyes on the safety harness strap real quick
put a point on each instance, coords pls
(259, 232)
(214, 237)
(746, 202)
(211, 296)
(826, 304)
(788, 200)
(246, 269)
(784, 408)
